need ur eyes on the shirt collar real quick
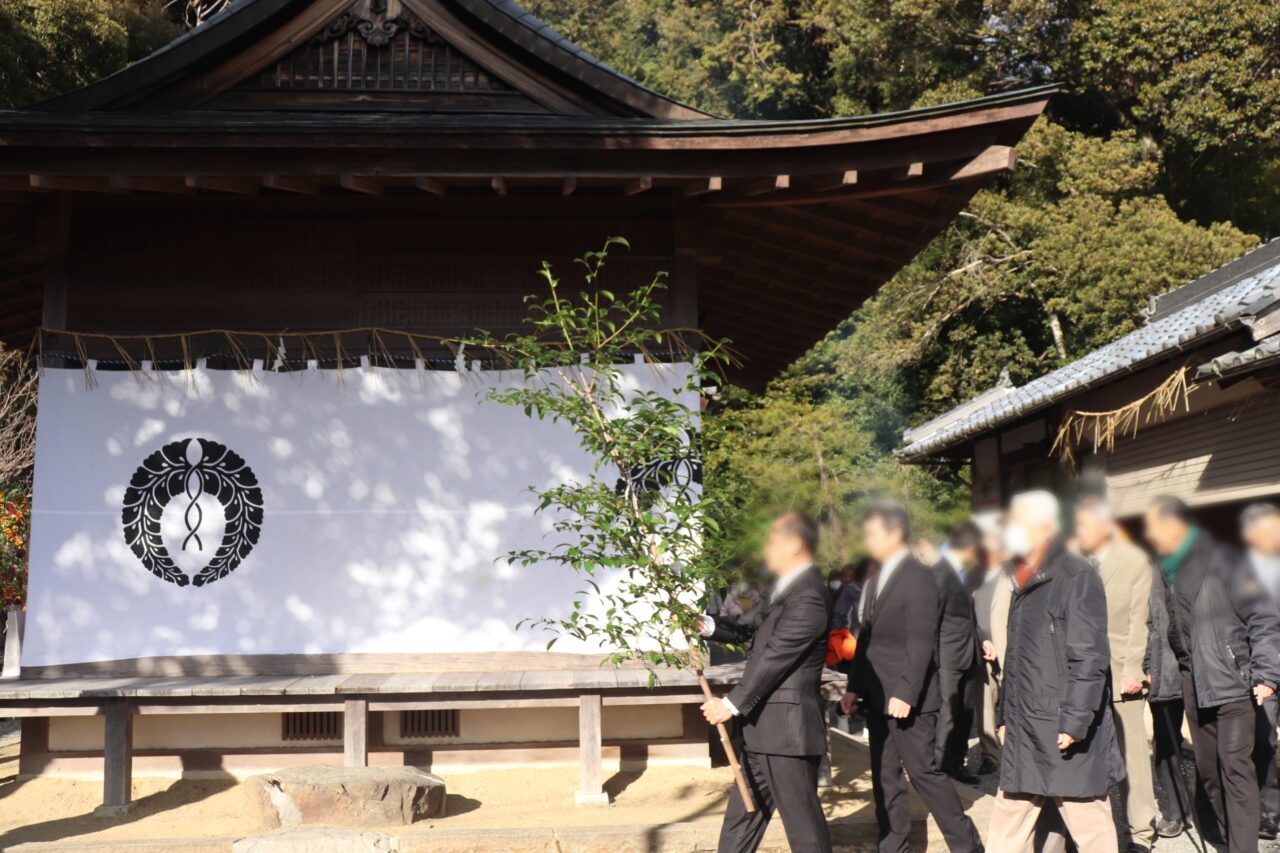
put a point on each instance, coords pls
(891, 564)
(787, 580)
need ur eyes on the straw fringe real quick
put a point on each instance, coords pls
(1100, 429)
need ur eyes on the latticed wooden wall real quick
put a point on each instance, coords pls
(173, 270)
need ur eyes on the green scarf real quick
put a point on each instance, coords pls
(1170, 564)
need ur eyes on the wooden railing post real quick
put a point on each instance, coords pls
(590, 752)
(355, 732)
(117, 759)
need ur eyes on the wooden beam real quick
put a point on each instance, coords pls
(997, 158)
(355, 732)
(844, 180)
(291, 185)
(173, 186)
(499, 185)
(777, 183)
(357, 184)
(430, 185)
(638, 186)
(591, 766)
(84, 185)
(222, 185)
(709, 185)
(568, 186)
(117, 776)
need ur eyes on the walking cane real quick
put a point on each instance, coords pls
(1181, 790)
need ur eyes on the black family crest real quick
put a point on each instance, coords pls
(187, 470)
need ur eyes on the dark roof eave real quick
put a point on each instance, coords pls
(230, 123)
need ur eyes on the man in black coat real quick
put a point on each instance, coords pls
(783, 724)
(957, 652)
(1059, 740)
(895, 675)
(1225, 633)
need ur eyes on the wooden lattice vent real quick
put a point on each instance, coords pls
(377, 46)
(311, 725)
(429, 724)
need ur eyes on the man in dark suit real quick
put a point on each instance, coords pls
(895, 675)
(957, 651)
(778, 701)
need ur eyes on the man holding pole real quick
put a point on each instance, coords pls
(778, 701)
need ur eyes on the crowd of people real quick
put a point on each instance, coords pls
(1062, 648)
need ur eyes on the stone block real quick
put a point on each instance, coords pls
(345, 796)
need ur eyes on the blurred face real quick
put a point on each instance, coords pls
(966, 557)
(783, 549)
(1025, 533)
(882, 542)
(993, 544)
(1263, 536)
(1093, 531)
(1164, 532)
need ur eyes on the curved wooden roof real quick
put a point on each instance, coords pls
(791, 224)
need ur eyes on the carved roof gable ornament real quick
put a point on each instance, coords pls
(378, 22)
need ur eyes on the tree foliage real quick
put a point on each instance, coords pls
(633, 528)
(48, 47)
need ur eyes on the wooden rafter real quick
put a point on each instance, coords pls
(639, 185)
(360, 184)
(702, 187)
(430, 185)
(291, 185)
(222, 185)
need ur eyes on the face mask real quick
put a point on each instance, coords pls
(1015, 541)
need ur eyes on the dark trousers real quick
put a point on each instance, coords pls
(1222, 739)
(787, 784)
(1171, 794)
(955, 718)
(910, 744)
(1264, 758)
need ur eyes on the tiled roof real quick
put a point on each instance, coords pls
(1234, 362)
(1196, 311)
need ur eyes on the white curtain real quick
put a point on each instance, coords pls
(387, 501)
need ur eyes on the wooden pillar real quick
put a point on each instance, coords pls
(117, 776)
(33, 747)
(590, 748)
(355, 732)
(684, 308)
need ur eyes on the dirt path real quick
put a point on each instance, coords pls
(61, 809)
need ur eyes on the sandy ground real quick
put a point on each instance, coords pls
(62, 809)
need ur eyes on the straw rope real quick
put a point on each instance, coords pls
(382, 346)
(1100, 429)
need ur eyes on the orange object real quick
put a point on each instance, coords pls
(841, 646)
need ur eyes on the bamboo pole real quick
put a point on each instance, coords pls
(738, 776)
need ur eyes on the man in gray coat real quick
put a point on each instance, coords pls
(1055, 718)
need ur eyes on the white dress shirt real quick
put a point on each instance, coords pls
(783, 583)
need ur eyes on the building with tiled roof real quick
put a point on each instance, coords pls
(1217, 448)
